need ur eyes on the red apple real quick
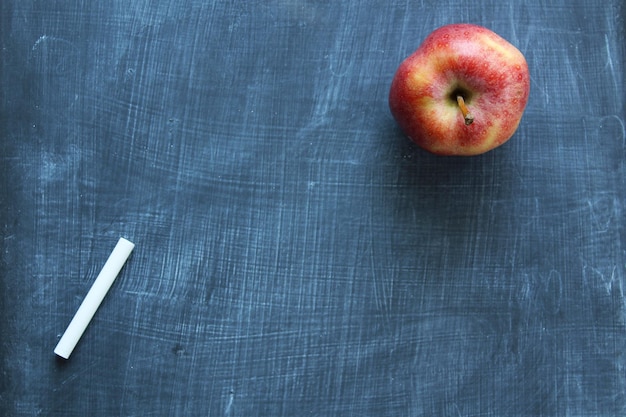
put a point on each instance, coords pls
(462, 92)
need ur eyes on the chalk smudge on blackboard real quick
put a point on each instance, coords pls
(53, 55)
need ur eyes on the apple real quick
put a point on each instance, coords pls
(462, 92)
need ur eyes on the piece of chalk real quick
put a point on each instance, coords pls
(94, 297)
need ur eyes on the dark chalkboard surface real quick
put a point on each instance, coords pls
(296, 254)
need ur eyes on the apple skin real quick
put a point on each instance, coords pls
(491, 75)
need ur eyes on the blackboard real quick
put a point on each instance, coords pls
(296, 254)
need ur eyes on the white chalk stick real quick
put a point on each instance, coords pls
(94, 297)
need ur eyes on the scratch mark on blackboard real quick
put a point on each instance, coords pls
(46, 38)
(543, 90)
(456, 408)
(609, 61)
(52, 55)
(127, 374)
(41, 39)
(340, 59)
(78, 374)
(604, 121)
(594, 275)
(229, 407)
(603, 210)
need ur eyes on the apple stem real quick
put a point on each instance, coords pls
(466, 114)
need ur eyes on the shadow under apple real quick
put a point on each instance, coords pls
(435, 214)
(441, 188)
